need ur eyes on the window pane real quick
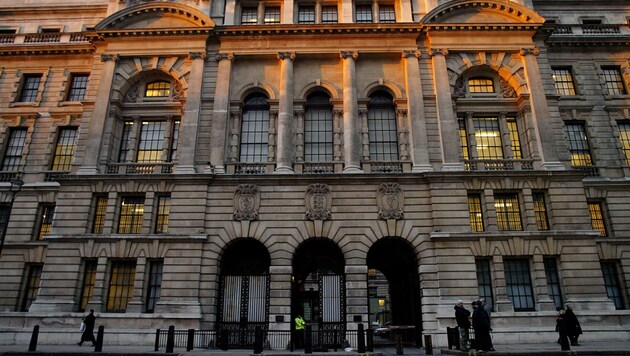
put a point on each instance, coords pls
(563, 78)
(13, 152)
(508, 212)
(89, 277)
(151, 141)
(597, 218)
(31, 289)
(5, 210)
(64, 151)
(364, 13)
(611, 282)
(578, 146)
(382, 130)
(249, 16)
(515, 141)
(30, 87)
(553, 281)
(255, 129)
(480, 85)
(463, 139)
(624, 136)
(329, 14)
(78, 86)
(318, 129)
(475, 212)
(519, 284)
(484, 281)
(540, 210)
(158, 89)
(163, 211)
(125, 143)
(46, 220)
(131, 214)
(175, 141)
(121, 281)
(272, 15)
(488, 137)
(614, 81)
(386, 13)
(99, 214)
(154, 288)
(306, 14)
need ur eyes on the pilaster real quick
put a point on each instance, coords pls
(220, 112)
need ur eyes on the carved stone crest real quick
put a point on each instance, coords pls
(246, 202)
(390, 201)
(318, 202)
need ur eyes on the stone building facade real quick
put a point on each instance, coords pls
(230, 164)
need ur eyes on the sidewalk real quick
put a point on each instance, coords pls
(547, 349)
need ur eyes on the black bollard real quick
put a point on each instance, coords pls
(370, 340)
(32, 346)
(157, 339)
(361, 339)
(170, 339)
(99, 339)
(258, 340)
(308, 339)
(224, 340)
(428, 345)
(190, 343)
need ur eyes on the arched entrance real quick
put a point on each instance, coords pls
(318, 292)
(394, 259)
(243, 292)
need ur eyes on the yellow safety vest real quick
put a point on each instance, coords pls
(299, 323)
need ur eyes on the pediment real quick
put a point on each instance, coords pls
(482, 12)
(156, 16)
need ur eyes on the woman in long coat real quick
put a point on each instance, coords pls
(88, 333)
(481, 324)
(573, 325)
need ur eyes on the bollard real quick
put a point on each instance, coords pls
(191, 340)
(428, 345)
(224, 339)
(258, 340)
(33, 345)
(170, 339)
(157, 339)
(370, 340)
(99, 339)
(308, 340)
(399, 343)
(361, 339)
(335, 340)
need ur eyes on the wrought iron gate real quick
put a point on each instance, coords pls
(244, 305)
(331, 329)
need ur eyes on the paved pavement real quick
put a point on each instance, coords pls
(548, 349)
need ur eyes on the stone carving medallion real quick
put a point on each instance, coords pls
(390, 201)
(318, 202)
(246, 202)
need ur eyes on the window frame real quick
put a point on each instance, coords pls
(388, 15)
(621, 89)
(11, 148)
(30, 287)
(131, 139)
(27, 89)
(554, 282)
(60, 153)
(320, 140)
(476, 215)
(541, 211)
(328, 14)
(306, 17)
(361, 15)
(90, 266)
(246, 17)
(118, 298)
(71, 95)
(154, 286)
(162, 212)
(163, 89)
(580, 147)
(612, 281)
(597, 214)
(490, 79)
(382, 123)
(624, 140)
(255, 127)
(483, 268)
(134, 227)
(566, 84)
(99, 213)
(523, 301)
(276, 11)
(509, 213)
(45, 220)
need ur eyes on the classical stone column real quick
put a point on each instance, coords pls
(285, 153)
(446, 117)
(190, 124)
(220, 112)
(99, 116)
(416, 119)
(351, 121)
(540, 111)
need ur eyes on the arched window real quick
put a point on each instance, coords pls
(255, 129)
(382, 131)
(478, 85)
(318, 129)
(158, 89)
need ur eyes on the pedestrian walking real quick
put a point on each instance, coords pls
(561, 328)
(488, 310)
(88, 332)
(481, 324)
(461, 315)
(573, 325)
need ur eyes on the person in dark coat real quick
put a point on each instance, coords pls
(481, 324)
(561, 328)
(461, 315)
(88, 333)
(573, 325)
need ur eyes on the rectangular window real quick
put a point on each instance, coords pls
(463, 139)
(515, 140)
(306, 14)
(154, 287)
(163, 211)
(87, 288)
(78, 86)
(249, 16)
(488, 137)
(540, 210)
(175, 141)
(480, 85)
(131, 214)
(484, 281)
(64, 150)
(124, 155)
(508, 212)
(624, 136)
(122, 277)
(47, 213)
(329, 14)
(563, 78)
(614, 80)
(5, 211)
(14, 149)
(386, 14)
(475, 212)
(31, 286)
(611, 282)
(100, 209)
(151, 141)
(553, 281)
(272, 15)
(597, 217)
(30, 88)
(364, 13)
(578, 145)
(519, 284)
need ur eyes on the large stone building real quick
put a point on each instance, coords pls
(227, 164)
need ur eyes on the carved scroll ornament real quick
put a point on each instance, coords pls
(390, 201)
(246, 202)
(318, 202)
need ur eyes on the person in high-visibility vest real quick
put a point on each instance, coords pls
(299, 332)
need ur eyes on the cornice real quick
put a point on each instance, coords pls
(481, 27)
(152, 32)
(587, 41)
(319, 29)
(44, 49)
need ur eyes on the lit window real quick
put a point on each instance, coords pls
(386, 14)
(31, 288)
(158, 90)
(475, 212)
(624, 136)
(78, 86)
(249, 16)
(152, 144)
(272, 15)
(515, 141)
(163, 212)
(597, 217)
(540, 210)
(508, 212)
(563, 78)
(318, 129)
(382, 131)
(578, 145)
(306, 14)
(46, 215)
(614, 81)
(255, 129)
(154, 289)
(329, 14)
(518, 284)
(14, 149)
(30, 87)
(484, 281)
(480, 85)
(64, 150)
(151, 141)
(611, 282)
(89, 278)
(131, 214)
(553, 281)
(488, 137)
(122, 277)
(100, 210)
(364, 13)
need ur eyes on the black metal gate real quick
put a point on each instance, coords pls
(244, 306)
(331, 326)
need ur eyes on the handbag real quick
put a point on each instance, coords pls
(82, 327)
